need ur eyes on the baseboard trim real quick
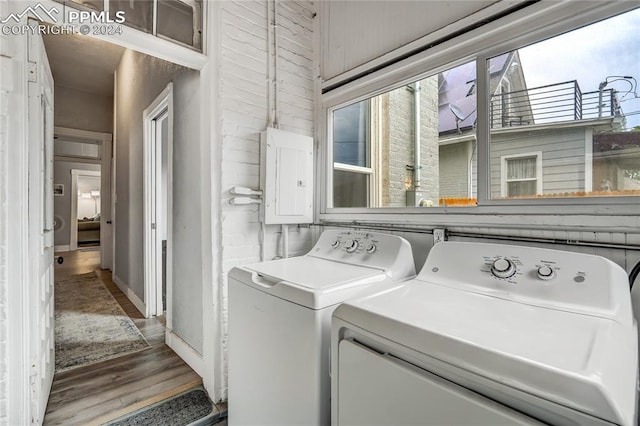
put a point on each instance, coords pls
(184, 351)
(139, 304)
(66, 247)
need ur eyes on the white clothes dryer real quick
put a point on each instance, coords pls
(490, 334)
(280, 323)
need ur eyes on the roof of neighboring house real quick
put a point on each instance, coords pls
(456, 92)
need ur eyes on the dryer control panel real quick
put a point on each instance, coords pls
(387, 252)
(573, 282)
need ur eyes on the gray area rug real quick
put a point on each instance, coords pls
(190, 408)
(90, 325)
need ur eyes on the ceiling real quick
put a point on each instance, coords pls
(83, 63)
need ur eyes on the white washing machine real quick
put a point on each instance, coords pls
(490, 334)
(280, 323)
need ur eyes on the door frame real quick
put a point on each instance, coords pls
(73, 221)
(152, 154)
(104, 140)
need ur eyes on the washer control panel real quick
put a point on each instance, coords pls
(552, 278)
(365, 248)
(360, 242)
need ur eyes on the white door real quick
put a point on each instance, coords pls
(40, 291)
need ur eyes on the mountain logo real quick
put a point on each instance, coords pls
(38, 11)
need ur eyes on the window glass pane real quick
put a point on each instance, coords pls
(416, 143)
(138, 13)
(521, 188)
(350, 189)
(574, 99)
(351, 134)
(76, 149)
(180, 21)
(521, 168)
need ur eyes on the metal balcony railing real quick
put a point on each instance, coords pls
(550, 104)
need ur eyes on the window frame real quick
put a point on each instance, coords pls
(529, 25)
(504, 178)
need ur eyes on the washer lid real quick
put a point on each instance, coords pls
(583, 362)
(309, 281)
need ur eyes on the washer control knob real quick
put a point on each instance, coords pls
(372, 248)
(503, 268)
(351, 245)
(335, 244)
(545, 272)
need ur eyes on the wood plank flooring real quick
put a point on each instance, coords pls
(101, 392)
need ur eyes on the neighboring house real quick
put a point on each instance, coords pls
(542, 139)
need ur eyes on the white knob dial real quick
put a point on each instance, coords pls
(371, 248)
(335, 244)
(503, 268)
(545, 272)
(351, 245)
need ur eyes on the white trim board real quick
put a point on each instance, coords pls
(184, 351)
(153, 201)
(62, 248)
(139, 304)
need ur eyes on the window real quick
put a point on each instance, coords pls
(556, 121)
(520, 175)
(352, 155)
(176, 20)
(412, 146)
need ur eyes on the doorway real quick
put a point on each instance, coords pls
(158, 203)
(85, 209)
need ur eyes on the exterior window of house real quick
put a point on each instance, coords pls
(520, 176)
(413, 146)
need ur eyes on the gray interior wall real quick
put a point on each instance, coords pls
(187, 221)
(140, 79)
(82, 110)
(62, 205)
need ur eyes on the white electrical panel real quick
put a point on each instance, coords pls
(286, 177)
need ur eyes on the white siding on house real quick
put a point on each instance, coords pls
(454, 170)
(244, 112)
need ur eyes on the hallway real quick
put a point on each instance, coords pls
(103, 391)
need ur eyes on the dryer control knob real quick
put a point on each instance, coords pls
(335, 244)
(503, 268)
(371, 248)
(351, 245)
(545, 272)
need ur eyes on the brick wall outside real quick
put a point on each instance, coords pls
(398, 143)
